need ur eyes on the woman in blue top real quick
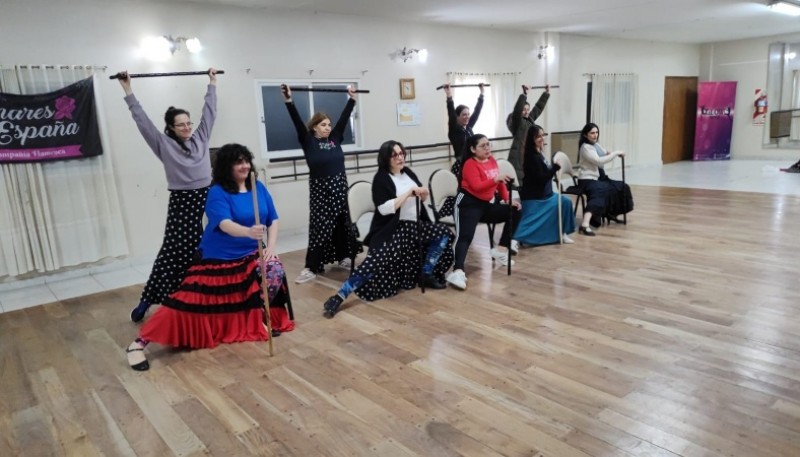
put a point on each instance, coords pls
(329, 237)
(220, 298)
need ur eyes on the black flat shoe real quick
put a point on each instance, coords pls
(430, 282)
(141, 366)
(332, 306)
(586, 231)
(276, 333)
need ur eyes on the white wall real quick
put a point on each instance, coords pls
(745, 61)
(252, 44)
(248, 44)
(651, 61)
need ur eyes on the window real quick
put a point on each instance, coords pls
(278, 135)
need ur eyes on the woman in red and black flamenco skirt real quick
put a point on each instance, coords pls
(220, 300)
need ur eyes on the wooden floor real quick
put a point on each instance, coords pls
(678, 334)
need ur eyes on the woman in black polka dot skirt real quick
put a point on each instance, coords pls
(397, 241)
(329, 237)
(185, 156)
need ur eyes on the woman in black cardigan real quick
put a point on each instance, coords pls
(397, 241)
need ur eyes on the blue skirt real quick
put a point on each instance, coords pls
(539, 223)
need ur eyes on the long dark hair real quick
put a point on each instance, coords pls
(529, 144)
(227, 156)
(385, 155)
(586, 129)
(169, 119)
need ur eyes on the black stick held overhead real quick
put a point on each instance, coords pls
(464, 85)
(545, 87)
(174, 73)
(322, 89)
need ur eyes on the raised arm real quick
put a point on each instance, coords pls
(149, 131)
(299, 127)
(209, 115)
(537, 109)
(338, 130)
(452, 122)
(477, 111)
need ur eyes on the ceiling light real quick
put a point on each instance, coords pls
(785, 7)
(406, 53)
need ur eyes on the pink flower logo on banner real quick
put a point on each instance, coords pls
(64, 107)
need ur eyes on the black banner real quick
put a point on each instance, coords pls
(60, 125)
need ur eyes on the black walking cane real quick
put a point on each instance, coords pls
(325, 89)
(510, 186)
(463, 85)
(624, 195)
(420, 276)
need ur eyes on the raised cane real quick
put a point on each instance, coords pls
(158, 75)
(264, 287)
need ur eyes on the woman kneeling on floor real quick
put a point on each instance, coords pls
(220, 299)
(397, 240)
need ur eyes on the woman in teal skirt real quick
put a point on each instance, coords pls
(539, 222)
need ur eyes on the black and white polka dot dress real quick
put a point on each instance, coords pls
(329, 239)
(182, 235)
(396, 263)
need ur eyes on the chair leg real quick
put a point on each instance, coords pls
(490, 228)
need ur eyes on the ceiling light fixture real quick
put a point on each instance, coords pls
(162, 47)
(786, 7)
(406, 53)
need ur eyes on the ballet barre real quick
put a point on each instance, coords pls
(544, 87)
(174, 73)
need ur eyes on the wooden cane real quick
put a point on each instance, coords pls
(154, 75)
(321, 89)
(264, 287)
(510, 187)
(420, 277)
(463, 85)
(558, 194)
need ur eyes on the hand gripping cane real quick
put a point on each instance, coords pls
(264, 287)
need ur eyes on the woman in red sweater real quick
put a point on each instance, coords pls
(480, 180)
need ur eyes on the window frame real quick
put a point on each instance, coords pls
(356, 117)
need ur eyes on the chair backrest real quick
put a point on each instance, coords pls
(442, 184)
(359, 199)
(507, 169)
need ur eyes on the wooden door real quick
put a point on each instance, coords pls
(680, 107)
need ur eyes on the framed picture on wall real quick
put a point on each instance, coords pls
(407, 89)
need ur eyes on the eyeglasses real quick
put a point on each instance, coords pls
(183, 125)
(397, 155)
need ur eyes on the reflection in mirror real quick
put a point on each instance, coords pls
(783, 92)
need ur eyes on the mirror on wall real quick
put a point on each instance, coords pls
(782, 127)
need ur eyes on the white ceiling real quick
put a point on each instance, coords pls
(682, 21)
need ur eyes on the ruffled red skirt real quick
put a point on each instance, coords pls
(220, 302)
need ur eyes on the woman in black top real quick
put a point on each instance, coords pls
(397, 240)
(539, 222)
(460, 124)
(329, 238)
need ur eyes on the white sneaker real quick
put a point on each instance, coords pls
(567, 240)
(457, 279)
(514, 247)
(501, 257)
(345, 264)
(305, 276)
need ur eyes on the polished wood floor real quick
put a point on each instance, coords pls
(678, 334)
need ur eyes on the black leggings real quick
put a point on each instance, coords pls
(469, 211)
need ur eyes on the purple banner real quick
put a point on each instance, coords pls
(58, 125)
(712, 138)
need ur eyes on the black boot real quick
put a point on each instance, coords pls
(332, 306)
(430, 282)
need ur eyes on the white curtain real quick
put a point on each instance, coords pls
(614, 102)
(57, 214)
(498, 99)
